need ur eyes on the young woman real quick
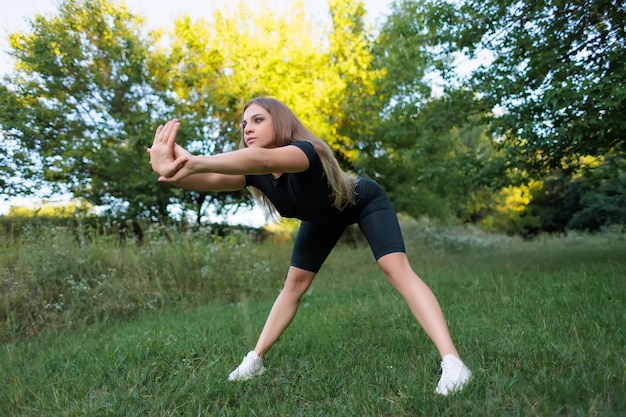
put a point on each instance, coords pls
(292, 173)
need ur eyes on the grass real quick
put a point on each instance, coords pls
(540, 323)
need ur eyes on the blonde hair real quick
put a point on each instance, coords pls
(288, 129)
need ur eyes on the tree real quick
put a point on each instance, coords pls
(214, 67)
(427, 148)
(352, 108)
(89, 89)
(549, 91)
(79, 109)
(321, 73)
(558, 74)
(593, 198)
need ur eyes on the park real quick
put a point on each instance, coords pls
(136, 297)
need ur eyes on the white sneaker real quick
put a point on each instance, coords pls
(252, 365)
(454, 375)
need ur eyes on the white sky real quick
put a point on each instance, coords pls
(15, 14)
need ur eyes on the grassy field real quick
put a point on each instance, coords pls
(540, 323)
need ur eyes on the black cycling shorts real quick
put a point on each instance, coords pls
(375, 216)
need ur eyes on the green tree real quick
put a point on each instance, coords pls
(321, 73)
(214, 67)
(593, 198)
(428, 147)
(549, 89)
(352, 108)
(558, 74)
(78, 110)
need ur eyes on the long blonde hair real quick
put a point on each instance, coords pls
(288, 129)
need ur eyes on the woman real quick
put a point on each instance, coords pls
(293, 173)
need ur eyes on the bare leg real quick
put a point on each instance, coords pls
(420, 299)
(284, 309)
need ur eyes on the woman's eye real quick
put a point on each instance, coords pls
(259, 119)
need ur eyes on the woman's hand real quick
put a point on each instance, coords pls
(166, 157)
(184, 170)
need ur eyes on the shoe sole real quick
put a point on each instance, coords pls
(457, 388)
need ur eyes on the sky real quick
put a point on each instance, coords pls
(158, 14)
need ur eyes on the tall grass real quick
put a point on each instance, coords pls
(57, 277)
(540, 323)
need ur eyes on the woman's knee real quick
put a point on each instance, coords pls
(396, 268)
(394, 263)
(298, 280)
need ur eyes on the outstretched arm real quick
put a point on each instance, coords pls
(236, 163)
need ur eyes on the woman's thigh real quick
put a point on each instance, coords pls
(314, 243)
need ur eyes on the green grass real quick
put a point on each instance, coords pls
(541, 324)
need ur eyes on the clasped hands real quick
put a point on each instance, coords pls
(167, 158)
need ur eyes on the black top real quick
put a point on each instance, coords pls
(303, 195)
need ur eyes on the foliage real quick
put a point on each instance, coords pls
(428, 147)
(83, 112)
(79, 108)
(556, 71)
(351, 111)
(318, 72)
(594, 199)
(548, 91)
(50, 210)
(430, 157)
(510, 213)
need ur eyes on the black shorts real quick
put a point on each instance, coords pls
(375, 216)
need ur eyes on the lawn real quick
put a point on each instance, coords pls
(540, 323)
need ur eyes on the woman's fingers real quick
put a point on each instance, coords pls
(156, 135)
(177, 172)
(170, 138)
(163, 178)
(166, 134)
(179, 150)
(180, 161)
(173, 168)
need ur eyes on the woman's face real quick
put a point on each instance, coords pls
(258, 128)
